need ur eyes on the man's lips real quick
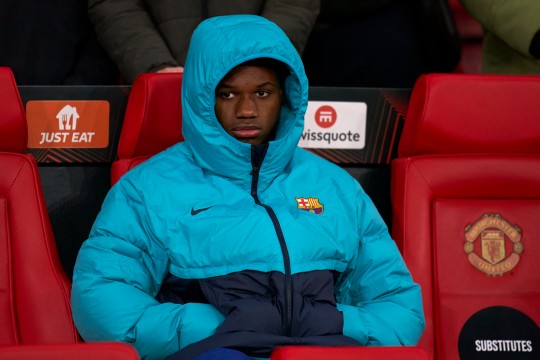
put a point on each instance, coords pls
(246, 132)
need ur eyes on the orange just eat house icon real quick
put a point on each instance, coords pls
(68, 124)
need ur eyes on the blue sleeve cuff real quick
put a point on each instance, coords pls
(353, 325)
(199, 322)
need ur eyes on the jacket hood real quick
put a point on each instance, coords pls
(217, 46)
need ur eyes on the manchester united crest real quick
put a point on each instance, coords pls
(493, 245)
(310, 204)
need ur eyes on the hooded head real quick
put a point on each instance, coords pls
(218, 46)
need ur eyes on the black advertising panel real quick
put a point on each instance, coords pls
(74, 124)
(368, 122)
(81, 124)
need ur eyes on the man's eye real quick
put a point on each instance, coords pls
(226, 95)
(262, 93)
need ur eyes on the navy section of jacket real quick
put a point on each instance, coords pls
(276, 240)
(255, 304)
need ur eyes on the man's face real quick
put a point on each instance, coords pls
(248, 101)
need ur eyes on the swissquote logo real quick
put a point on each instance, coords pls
(334, 125)
(493, 245)
(68, 124)
(325, 116)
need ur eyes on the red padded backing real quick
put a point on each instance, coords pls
(8, 327)
(463, 290)
(348, 353)
(122, 166)
(465, 113)
(34, 300)
(12, 117)
(434, 199)
(88, 351)
(153, 120)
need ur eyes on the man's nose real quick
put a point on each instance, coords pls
(246, 107)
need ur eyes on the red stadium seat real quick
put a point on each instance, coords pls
(85, 351)
(349, 353)
(466, 201)
(34, 289)
(153, 120)
(34, 295)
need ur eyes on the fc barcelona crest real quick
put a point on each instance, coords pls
(310, 204)
(493, 245)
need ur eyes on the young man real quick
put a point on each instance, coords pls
(237, 238)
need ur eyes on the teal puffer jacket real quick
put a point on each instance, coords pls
(213, 207)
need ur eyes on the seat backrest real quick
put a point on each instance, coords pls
(152, 122)
(465, 193)
(13, 137)
(34, 289)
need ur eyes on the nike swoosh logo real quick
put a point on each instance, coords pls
(195, 212)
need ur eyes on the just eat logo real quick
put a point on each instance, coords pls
(68, 124)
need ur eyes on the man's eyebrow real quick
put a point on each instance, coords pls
(223, 85)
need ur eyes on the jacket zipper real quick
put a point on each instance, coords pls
(256, 161)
